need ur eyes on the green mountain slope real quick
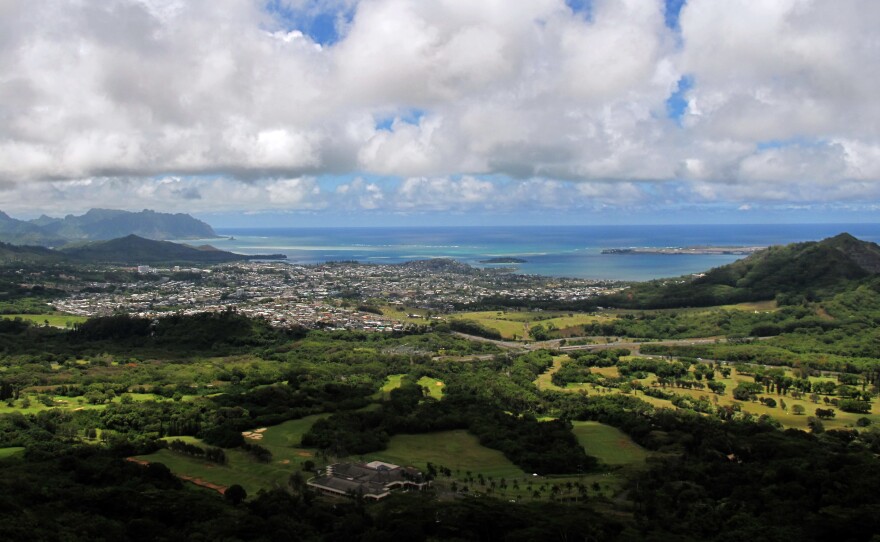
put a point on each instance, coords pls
(101, 224)
(17, 255)
(137, 250)
(20, 232)
(811, 270)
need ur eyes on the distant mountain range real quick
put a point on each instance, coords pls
(128, 250)
(101, 224)
(811, 270)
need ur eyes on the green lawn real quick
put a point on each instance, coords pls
(785, 416)
(434, 386)
(544, 380)
(55, 320)
(457, 450)
(610, 445)
(9, 452)
(491, 320)
(392, 382)
(282, 440)
(77, 403)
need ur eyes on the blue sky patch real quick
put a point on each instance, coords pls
(410, 116)
(581, 7)
(672, 13)
(676, 104)
(801, 142)
(320, 26)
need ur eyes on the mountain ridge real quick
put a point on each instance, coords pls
(128, 250)
(102, 224)
(133, 249)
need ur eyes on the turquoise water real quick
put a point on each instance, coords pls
(565, 251)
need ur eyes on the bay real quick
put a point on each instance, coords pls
(563, 251)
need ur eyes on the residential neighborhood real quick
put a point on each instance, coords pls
(336, 295)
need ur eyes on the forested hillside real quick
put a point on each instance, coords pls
(798, 271)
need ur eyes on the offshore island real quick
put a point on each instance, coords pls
(738, 251)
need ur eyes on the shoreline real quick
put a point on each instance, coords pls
(698, 251)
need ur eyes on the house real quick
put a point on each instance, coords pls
(373, 480)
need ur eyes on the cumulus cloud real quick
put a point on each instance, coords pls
(511, 96)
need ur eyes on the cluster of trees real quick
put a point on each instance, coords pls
(104, 497)
(542, 447)
(471, 327)
(215, 455)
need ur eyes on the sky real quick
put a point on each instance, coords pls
(443, 112)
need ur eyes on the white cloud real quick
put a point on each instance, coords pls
(783, 105)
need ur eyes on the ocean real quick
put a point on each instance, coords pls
(561, 251)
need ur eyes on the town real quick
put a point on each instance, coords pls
(335, 295)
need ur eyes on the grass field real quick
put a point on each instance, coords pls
(282, 440)
(401, 314)
(515, 324)
(77, 403)
(508, 328)
(457, 450)
(55, 320)
(609, 444)
(544, 380)
(435, 387)
(785, 416)
(761, 306)
(392, 382)
(10, 452)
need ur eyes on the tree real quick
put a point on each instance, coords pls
(855, 405)
(717, 387)
(768, 401)
(798, 410)
(815, 425)
(235, 494)
(825, 413)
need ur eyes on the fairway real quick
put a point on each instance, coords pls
(610, 445)
(10, 452)
(784, 416)
(545, 379)
(392, 382)
(55, 320)
(284, 436)
(457, 450)
(434, 386)
(282, 440)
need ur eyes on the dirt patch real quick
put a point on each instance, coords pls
(305, 454)
(823, 314)
(203, 483)
(192, 479)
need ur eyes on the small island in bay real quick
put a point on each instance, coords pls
(736, 251)
(504, 260)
